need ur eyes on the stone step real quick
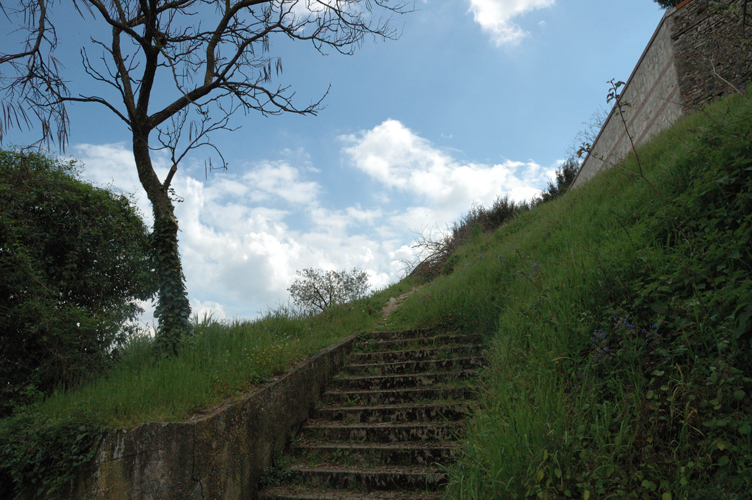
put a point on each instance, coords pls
(361, 454)
(388, 424)
(307, 493)
(387, 382)
(445, 352)
(403, 367)
(396, 413)
(370, 478)
(400, 334)
(402, 344)
(382, 432)
(398, 396)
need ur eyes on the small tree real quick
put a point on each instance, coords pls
(316, 290)
(73, 259)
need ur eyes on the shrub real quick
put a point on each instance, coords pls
(317, 290)
(565, 175)
(73, 259)
(436, 249)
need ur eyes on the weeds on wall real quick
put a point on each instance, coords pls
(42, 458)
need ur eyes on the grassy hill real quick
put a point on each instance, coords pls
(618, 320)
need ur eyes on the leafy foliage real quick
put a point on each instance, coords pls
(317, 290)
(40, 460)
(173, 308)
(72, 260)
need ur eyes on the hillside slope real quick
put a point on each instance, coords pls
(619, 324)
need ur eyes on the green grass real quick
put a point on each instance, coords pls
(222, 361)
(660, 406)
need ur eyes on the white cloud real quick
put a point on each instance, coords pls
(282, 180)
(399, 159)
(207, 310)
(244, 233)
(238, 251)
(495, 17)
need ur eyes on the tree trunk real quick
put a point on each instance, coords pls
(173, 309)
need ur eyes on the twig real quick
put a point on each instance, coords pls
(715, 73)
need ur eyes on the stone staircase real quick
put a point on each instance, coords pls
(388, 422)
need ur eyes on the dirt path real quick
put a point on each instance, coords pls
(394, 304)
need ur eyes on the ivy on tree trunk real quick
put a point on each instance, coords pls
(173, 308)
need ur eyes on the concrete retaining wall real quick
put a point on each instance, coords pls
(220, 455)
(695, 47)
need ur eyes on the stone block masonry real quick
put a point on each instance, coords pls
(697, 53)
(217, 455)
(711, 54)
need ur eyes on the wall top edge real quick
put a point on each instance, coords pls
(661, 23)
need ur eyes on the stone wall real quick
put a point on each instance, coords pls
(217, 455)
(695, 48)
(709, 48)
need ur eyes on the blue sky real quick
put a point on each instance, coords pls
(478, 98)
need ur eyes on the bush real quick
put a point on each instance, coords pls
(436, 249)
(73, 259)
(317, 290)
(565, 175)
(40, 459)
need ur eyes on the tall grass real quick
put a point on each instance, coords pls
(223, 360)
(618, 326)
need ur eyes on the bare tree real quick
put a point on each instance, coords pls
(213, 55)
(586, 137)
